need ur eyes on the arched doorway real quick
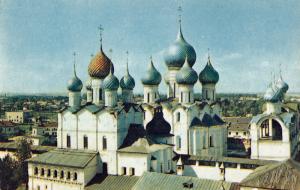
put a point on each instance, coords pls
(276, 130)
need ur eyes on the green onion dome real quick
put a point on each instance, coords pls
(186, 75)
(75, 84)
(152, 77)
(127, 81)
(111, 82)
(175, 55)
(209, 75)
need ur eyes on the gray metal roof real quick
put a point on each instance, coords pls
(111, 182)
(282, 175)
(159, 181)
(65, 157)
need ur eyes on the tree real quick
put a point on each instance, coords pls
(8, 176)
(23, 153)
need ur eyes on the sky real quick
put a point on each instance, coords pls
(247, 40)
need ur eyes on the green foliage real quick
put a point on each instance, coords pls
(23, 153)
(9, 178)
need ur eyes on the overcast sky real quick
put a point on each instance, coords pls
(247, 40)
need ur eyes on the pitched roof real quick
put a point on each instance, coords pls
(64, 157)
(111, 182)
(159, 181)
(282, 175)
(238, 123)
(7, 124)
(207, 121)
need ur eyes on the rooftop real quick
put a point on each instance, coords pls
(63, 157)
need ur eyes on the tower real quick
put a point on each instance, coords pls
(174, 58)
(89, 91)
(209, 77)
(186, 79)
(151, 82)
(127, 84)
(74, 88)
(110, 86)
(98, 69)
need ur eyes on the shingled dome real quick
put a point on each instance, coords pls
(187, 75)
(175, 55)
(111, 82)
(100, 65)
(75, 84)
(152, 77)
(209, 75)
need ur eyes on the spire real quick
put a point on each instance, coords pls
(151, 62)
(179, 35)
(208, 57)
(111, 70)
(100, 35)
(74, 63)
(280, 72)
(127, 70)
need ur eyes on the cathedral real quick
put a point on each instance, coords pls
(112, 134)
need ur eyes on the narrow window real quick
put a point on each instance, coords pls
(68, 176)
(100, 94)
(237, 133)
(181, 96)
(211, 141)
(178, 117)
(213, 95)
(178, 142)
(104, 143)
(206, 94)
(148, 97)
(174, 93)
(36, 171)
(68, 141)
(62, 174)
(123, 170)
(48, 173)
(155, 95)
(42, 172)
(75, 176)
(85, 142)
(161, 168)
(189, 96)
(132, 171)
(55, 174)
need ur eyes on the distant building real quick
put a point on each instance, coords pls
(238, 127)
(8, 128)
(18, 116)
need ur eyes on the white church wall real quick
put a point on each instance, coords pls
(133, 160)
(87, 128)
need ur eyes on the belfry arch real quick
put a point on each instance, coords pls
(271, 129)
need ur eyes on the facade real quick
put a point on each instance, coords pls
(18, 116)
(8, 128)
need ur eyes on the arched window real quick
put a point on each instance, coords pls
(189, 96)
(55, 174)
(48, 173)
(68, 176)
(42, 172)
(178, 142)
(36, 171)
(62, 174)
(276, 130)
(100, 94)
(68, 141)
(174, 93)
(104, 143)
(85, 142)
(178, 117)
(75, 176)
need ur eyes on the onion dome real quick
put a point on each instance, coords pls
(158, 126)
(175, 55)
(186, 75)
(209, 75)
(75, 84)
(88, 84)
(127, 82)
(100, 65)
(152, 77)
(111, 82)
(282, 85)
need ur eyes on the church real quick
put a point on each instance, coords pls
(112, 134)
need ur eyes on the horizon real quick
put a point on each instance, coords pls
(247, 41)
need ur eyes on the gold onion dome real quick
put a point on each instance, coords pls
(127, 81)
(100, 65)
(175, 55)
(75, 84)
(111, 82)
(209, 75)
(152, 77)
(186, 75)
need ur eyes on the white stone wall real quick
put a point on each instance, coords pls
(172, 82)
(74, 99)
(111, 98)
(127, 95)
(209, 92)
(96, 85)
(150, 93)
(186, 93)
